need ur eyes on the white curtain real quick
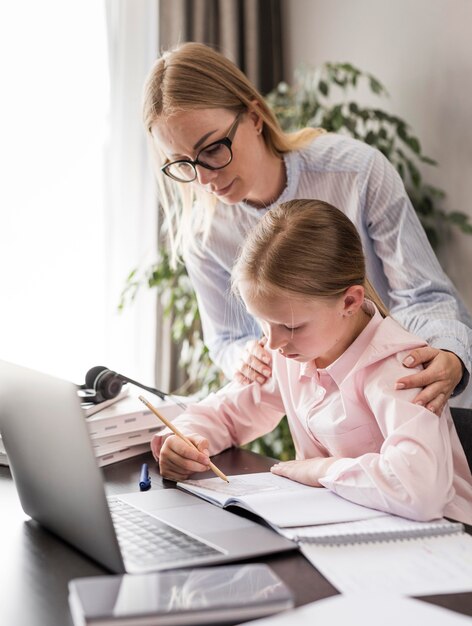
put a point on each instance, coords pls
(130, 201)
(77, 207)
(54, 77)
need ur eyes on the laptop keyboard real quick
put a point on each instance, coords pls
(144, 539)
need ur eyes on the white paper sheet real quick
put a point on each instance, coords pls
(367, 610)
(414, 567)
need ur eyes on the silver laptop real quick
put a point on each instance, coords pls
(60, 485)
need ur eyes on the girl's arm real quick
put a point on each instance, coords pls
(233, 416)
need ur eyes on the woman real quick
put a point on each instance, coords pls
(220, 150)
(336, 354)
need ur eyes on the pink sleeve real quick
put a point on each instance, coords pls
(412, 475)
(233, 416)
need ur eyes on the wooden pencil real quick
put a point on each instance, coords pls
(177, 432)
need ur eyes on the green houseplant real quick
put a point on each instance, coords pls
(323, 96)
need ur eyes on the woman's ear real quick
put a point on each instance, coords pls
(254, 115)
(353, 299)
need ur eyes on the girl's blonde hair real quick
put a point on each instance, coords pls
(305, 247)
(194, 76)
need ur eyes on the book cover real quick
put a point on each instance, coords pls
(128, 415)
(122, 454)
(114, 443)
(90, 408)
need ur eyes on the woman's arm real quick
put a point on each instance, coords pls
(227, 327)
(422, 298)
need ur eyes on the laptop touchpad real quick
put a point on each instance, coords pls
(205, 519)
(160, 499)
(185, 511)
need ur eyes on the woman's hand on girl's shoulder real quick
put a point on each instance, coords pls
(442, 373)
(256, 363)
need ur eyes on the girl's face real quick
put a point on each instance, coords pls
(249, 176)
(319, 329)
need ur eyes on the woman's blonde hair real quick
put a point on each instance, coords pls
(194, 76)
(306, 247)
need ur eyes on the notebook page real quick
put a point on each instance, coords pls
(428, 565)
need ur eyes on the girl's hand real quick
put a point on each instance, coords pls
(307, 472)
(256, 363)
(177, 460)
(443, 372)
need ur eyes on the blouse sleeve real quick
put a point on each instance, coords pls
(422, 298)
(225, 322)
(235, 415)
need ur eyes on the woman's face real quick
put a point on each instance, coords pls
(184, 134)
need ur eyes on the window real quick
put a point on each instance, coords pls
(76, 197)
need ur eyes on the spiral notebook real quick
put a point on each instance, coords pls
(390, 554)
(384, 528)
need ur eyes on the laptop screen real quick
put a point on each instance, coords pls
(53, 463)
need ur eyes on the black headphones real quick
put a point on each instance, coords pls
(103, 384)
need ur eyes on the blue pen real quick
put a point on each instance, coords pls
(145, 479)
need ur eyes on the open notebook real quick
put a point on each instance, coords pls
(280, 502)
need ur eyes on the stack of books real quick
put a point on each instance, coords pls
(125, 427)
(122, 427)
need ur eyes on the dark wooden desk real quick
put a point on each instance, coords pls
(35, 566)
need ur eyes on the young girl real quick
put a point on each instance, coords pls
(220, 149)
(336, 355)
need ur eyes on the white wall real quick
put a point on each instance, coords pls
(421, 51)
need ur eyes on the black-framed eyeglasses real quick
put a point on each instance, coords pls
(214, 156)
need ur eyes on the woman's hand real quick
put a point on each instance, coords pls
(307, 472)
(443, 372)
(177, 460)
(255, 364)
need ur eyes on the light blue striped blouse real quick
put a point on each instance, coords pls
(360, 181)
